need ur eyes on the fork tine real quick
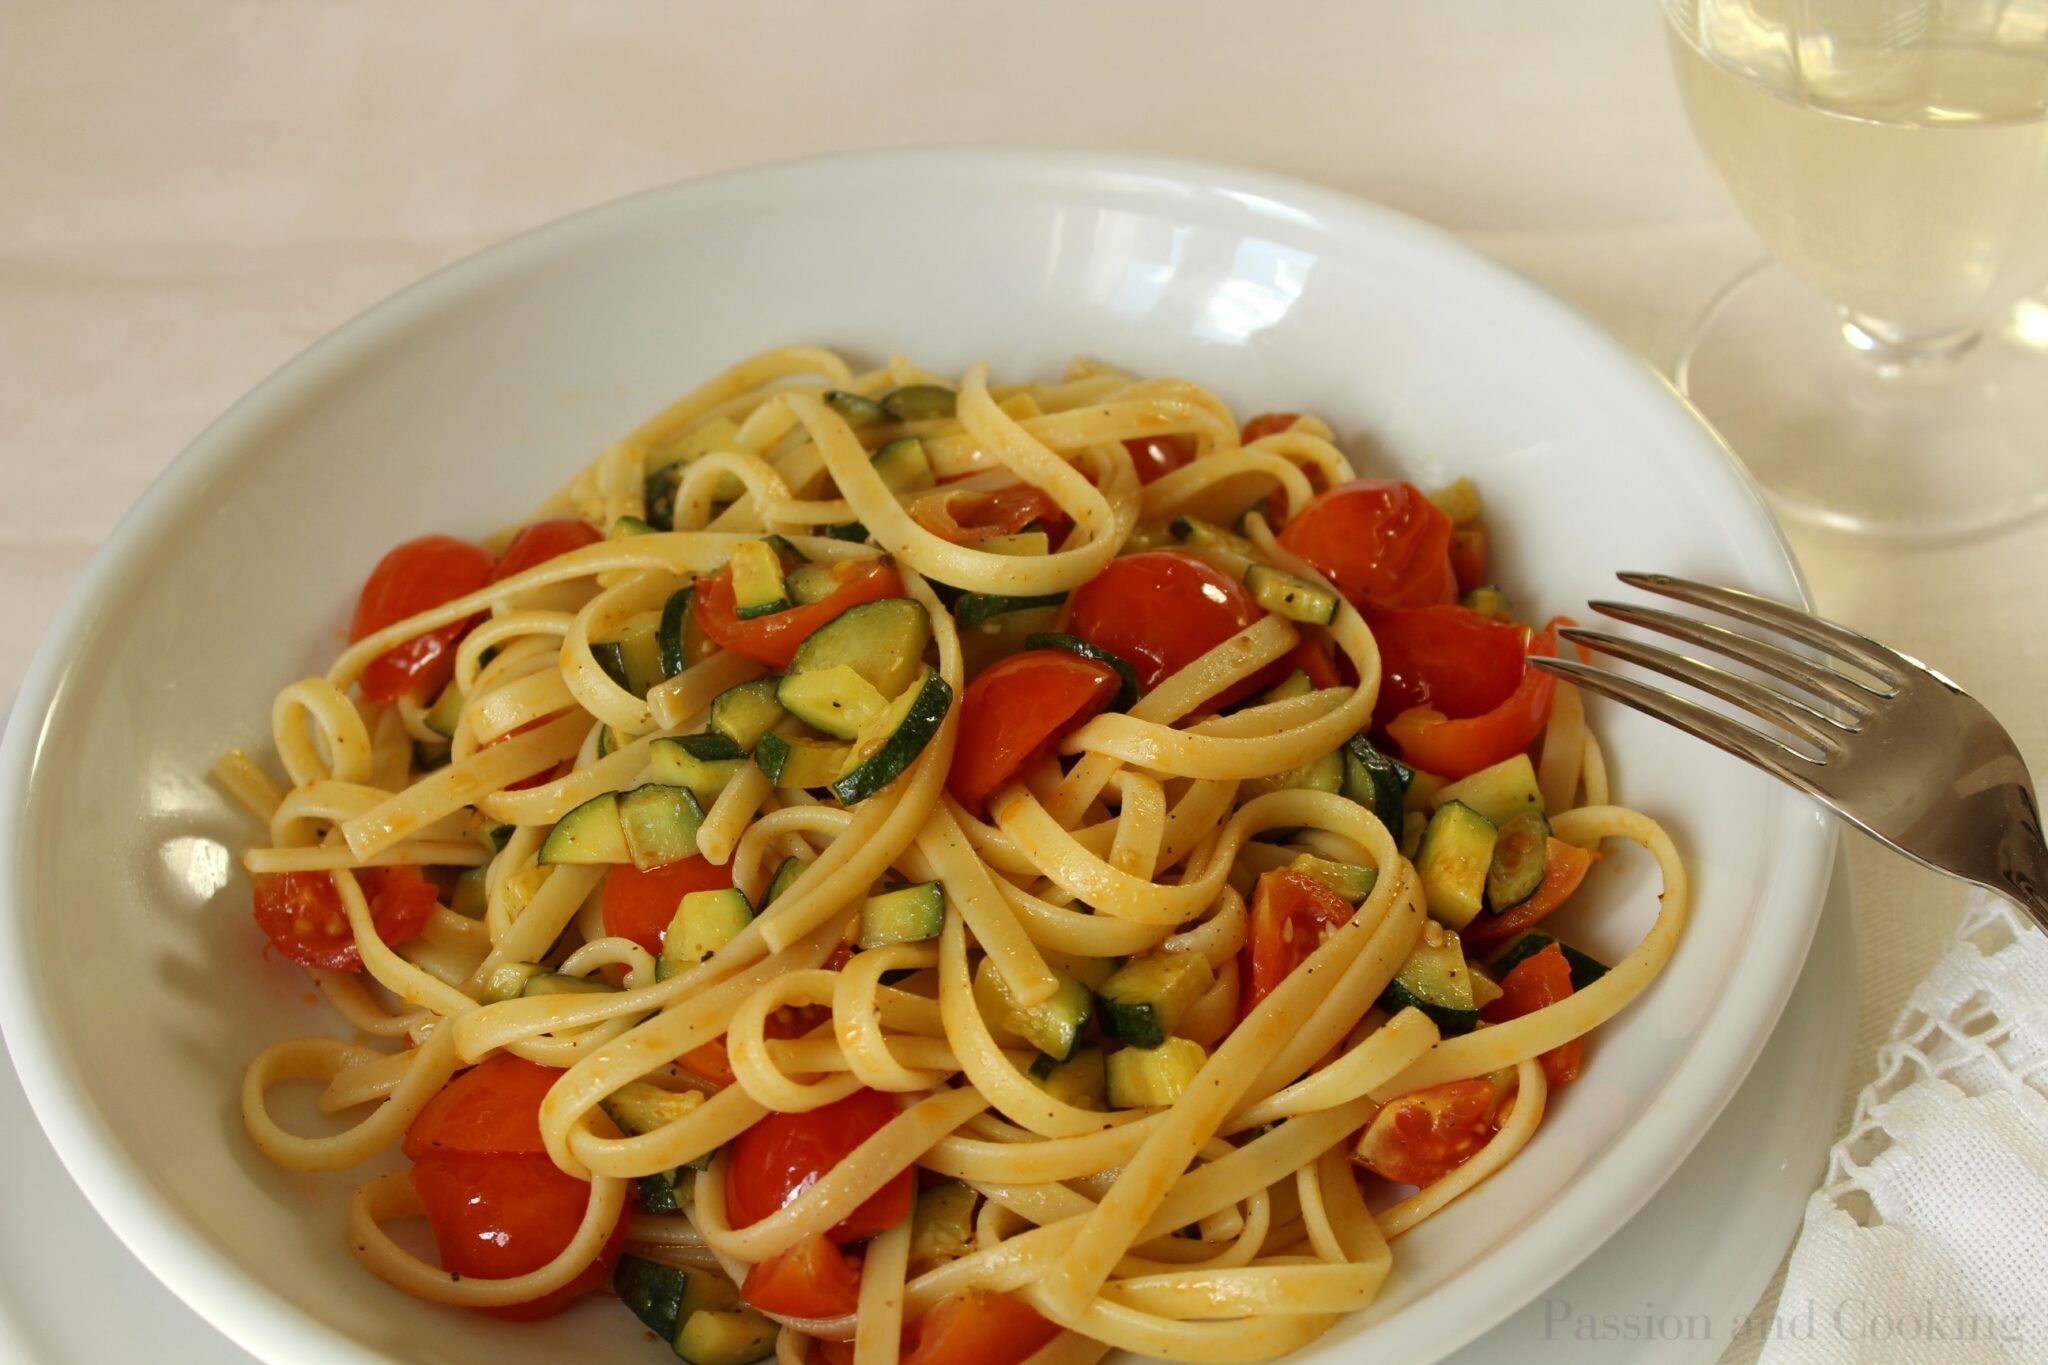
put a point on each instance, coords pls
(1775, 707)
(1723, 732)
(1775, 660)
(1840, 641)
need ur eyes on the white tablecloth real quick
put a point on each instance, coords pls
(193, 190)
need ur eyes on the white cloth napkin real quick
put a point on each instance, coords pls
(1929, 1239)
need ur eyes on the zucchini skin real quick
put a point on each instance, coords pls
(926, 713)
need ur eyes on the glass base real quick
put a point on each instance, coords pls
(1844, 431)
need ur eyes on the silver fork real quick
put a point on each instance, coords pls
(1901, 752)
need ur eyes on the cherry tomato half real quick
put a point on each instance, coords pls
(1540, 979)
(1420, 1138)
(538, 542)
(492, 1109)
(813, 1279)
(1016, 710)
(968, 517)
(494, 1217)
(639, 905)
(1292, 914)
(1564, 867)
(1268, 424)
(1161, 610)
(976, 1328)
(1155, 457)
(783, 1155)
(1455, 747)
(1382, 542)
(1447, 658)
(417, 576)
(302, 914)
(773, 639)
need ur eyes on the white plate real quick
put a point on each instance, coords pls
(132, 990)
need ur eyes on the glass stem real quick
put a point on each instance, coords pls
(1889, 346)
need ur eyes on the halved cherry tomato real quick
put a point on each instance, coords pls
(492, 1109)
(1447, 658)
(1292, 914)
(1468, 556)
(302, 914)
(1380, 541)
(975, 1328)
(545, 776)
(1161, 610)
(813, 1279)
(714, 1063)
(1540, 979)
(538, 542)
(711, 1061)
(968, 517)
(773, 639)
(1016, 710)
(1420, 1138)
(1564, 867)
(1268, 424)
(417, 576)
(639, 905)
(1154, 457)
(1458, 747)
(495, 1217)
(783, 1155)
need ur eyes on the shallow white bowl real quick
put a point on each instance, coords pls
(132, 985)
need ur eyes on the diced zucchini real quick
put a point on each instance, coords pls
(1081, 1081)
(888, 747)
(1144, 1001)
(798, 761)
(446, 711)
(850, 531)
(745, 713)
(469, 898)
(1436, 981)
(1490, 602)
(1297, 599)
(1457, 849)
(1422, 790)
(1128, 691)
(836, 700)
(701, 763)
(629, 526)
(1485, 990)
(882, 641)
(1255, 860)
(737, 1336)
(1459, 501)
(640, 1108)
(1499, 793)
(1518, 859)
(920, 402)
(660, 824)
(554, 983)
(588, 834)
(1375, 781)
(666, 476)
(1153, 1077)
(607, 740)
(785, 876)
(942, 1225)
(1586, 969)
(1089, 971)
(1325, 774)
(682, 641)
(973, 608)
(858, 411)
(1295, 684)
(667, 1191)
(632, 658)
(705, 922)
(1022, 543)
(653, 1291)
(904, 467)
(808, 583)
(1349, 880)
(1414, 824)
(1226, 546)
(707, 1291)
(507, 980)
(497, 836)
(1053, 1025)
(757, 588)
(906, 915)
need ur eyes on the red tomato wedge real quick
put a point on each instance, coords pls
(968, 517)
(1155, 457)
(1540, 979)
(538, 542)
(783, 1155)
(1292, 914)
(1161, 610)
(1268, 424)
(639, 905)
(1564, 867)
(1480, 708)
(1017, 710)
(813, 1279)
(1420, 1138)
(1382, 542)
(302, 914)
(492, 1109)
(773, 639)
(417, 576)
(976, 1328)
(494, 1217)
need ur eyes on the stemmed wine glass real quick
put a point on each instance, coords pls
(1887, 373)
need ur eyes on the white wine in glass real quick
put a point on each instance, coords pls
(1893, 154)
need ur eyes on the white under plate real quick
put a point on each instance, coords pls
(1701, 1251)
